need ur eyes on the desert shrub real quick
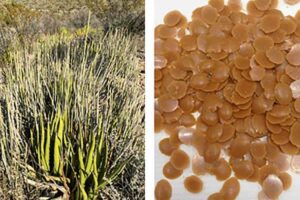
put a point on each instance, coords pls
(21, 18)
(91, 86)
(28, 20)
(128, 14)
(31, 16)
(12, 13)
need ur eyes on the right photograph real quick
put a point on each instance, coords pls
(227, 99)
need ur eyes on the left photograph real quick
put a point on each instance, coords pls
(72, 99)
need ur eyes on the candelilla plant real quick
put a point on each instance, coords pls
(74, 109)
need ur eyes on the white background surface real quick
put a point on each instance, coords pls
(249, 190)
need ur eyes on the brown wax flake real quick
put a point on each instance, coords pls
(228, 83)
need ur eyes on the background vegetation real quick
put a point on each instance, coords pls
(71, 104)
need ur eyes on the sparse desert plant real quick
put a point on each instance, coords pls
(80, 97)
